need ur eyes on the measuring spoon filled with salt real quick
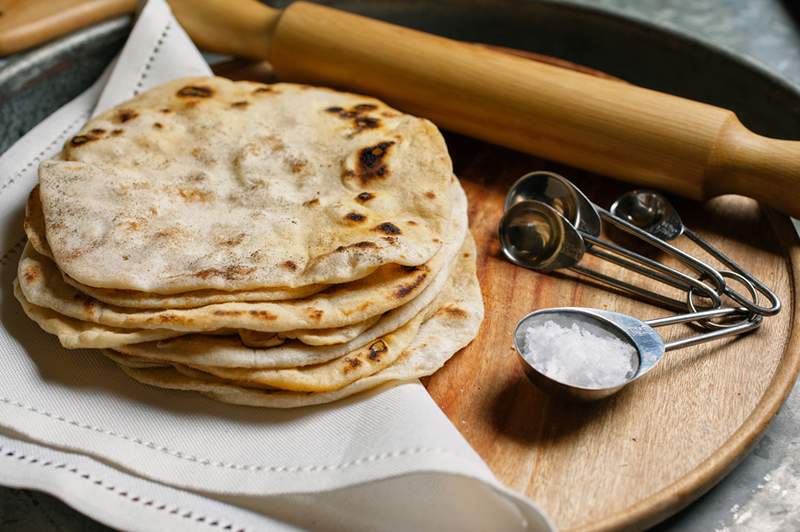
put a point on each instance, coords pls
(589, 354)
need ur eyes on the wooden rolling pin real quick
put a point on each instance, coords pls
(605, 126)
(602, 125)
(27, 23)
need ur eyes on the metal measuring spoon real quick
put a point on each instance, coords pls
(653, 213)
(649, 211)
(648, 346)
(567, 199)
(559, 193)
(536, 236)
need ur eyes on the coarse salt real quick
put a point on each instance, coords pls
(578, 356)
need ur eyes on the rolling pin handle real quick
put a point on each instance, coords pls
(748, 164)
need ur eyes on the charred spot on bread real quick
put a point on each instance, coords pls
(126, 115)
(365, 197)
(355, 217)
(389, 228)
(195, 91)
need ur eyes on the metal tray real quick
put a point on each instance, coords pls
(34, 84)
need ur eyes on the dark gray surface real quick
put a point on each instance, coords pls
(35, 83)
(762, 493)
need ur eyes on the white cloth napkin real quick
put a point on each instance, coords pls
(137, 457)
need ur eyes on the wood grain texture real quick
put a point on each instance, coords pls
(242, 28)
(642, 455)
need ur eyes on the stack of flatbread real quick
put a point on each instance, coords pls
(270, 245)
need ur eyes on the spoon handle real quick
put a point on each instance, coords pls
(693, 316)
(774, 301)
(745, 326)
(741, 328)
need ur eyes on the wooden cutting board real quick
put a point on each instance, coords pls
(642, 455)
(634, 459)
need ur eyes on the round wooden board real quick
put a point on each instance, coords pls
(634, 459)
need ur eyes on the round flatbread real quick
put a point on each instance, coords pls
(387, 288)
(331, 375)
(336, 335)
(197, 298)
(76, 334)
(34, 229)
(206, 183)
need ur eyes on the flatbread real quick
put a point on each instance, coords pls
(201, 350)
(133, 362)
(260, 339)
(76, 334)
(339, 372)
(336, 335)
(33, 224)
(452, 327)
(198, 298)
(206, 183)
(331, 375)
(387, 288)
(34, 229)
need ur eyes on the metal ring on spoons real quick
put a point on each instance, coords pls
(635, 339)
(653, 213)
(536, 236)
(561, 194)
(709, 324)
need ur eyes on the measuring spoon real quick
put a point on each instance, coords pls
(561, 194)
(558, 192)
(648, 346)
(536, 236)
